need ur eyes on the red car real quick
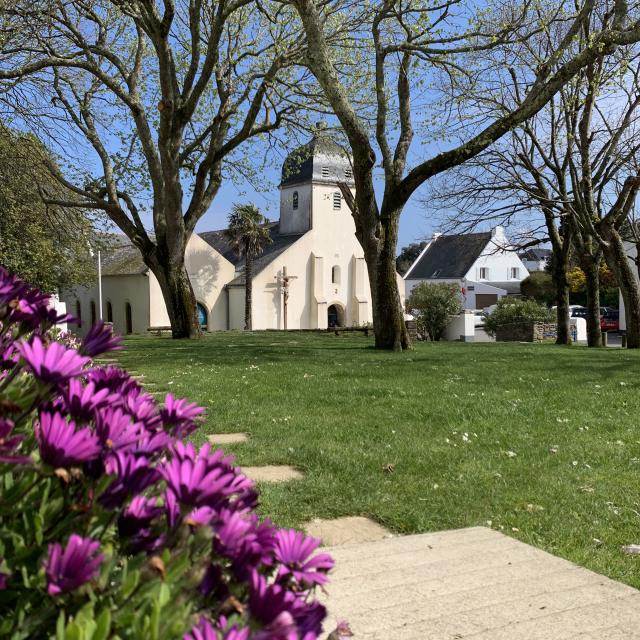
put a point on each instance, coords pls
(610, 320)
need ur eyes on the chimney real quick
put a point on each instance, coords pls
(498, 232)
(436, 235)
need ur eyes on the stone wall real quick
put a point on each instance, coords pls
(526, 332)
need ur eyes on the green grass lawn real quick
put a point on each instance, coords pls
(538, 441)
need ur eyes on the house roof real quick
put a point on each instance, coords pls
(321, 159)
(279, 243)
(121, 258)
(448, 256)
(535, 254)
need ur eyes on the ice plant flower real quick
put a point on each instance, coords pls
(69, 568)
(61, 444)
(116, 430)
(9, 444)
(53, 363)
(293, 551)
(180, 415)
(138, 515)
(100, 339)
(202, 479)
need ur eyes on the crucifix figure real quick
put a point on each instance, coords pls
(283, 281)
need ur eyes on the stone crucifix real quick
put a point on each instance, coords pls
(283, 281)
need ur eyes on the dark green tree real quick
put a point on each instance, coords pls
(47, 245)
(249, 234)
(408, 256)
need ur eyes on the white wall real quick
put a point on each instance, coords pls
(499, 258)
(295, 220)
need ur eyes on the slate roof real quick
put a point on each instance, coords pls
(321, 159)
(121, 258)
(535, 254)
(279, 243)
(449, 256)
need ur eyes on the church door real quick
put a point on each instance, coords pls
(202, 315)
(332, 316)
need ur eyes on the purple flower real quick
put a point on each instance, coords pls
(77, 564)
(83, 401)
(268, 601)
(138, 515)
(114, 379)
(240, 537)
(53, 363)
(100, 339)
(9, 444)
(133, 475)
(4, 577)
(293, 550)
(61, 445)
(116, 430)
(142, 408)
(200, 478)
(11, 287)
(205, 630)
(180, 415)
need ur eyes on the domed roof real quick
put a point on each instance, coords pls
(321, 159)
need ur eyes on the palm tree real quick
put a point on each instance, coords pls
(249, 235)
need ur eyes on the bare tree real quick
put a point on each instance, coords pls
(410, 44)
(166, 95)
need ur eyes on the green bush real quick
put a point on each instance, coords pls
(539, 287)
(513, 310)
(432, 305)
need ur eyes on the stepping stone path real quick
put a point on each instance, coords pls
(272, 473)
(219, 439)
(473, 583)
(346, 530)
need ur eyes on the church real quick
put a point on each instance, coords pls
(311, 276)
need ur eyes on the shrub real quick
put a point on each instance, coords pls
(110, 525)
(539, 286)
(432, 305)
(514, 310)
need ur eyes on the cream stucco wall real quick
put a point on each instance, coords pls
(330, 243)
(208, 272)
(117, 292)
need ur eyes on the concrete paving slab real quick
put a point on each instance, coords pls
(349, 530)
(272, 473)
(473, 583)
(227, 438)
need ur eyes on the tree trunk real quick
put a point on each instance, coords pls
(388, 315)
(559, 269)
(248, 289)
(178, 297)
(618, 262)
(591, 267)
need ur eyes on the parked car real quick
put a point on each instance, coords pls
(610, 320)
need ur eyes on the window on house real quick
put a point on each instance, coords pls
(324, 172)
(337, 200)
(515, 273)
(128, 317)
(109, 312)
(295, 199)
(436, 273)
(93, 312)
(348, 174)
(335, 274)
(484, 273)
(78, 313)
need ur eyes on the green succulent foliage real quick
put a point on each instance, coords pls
(514, 310)
(432, 305)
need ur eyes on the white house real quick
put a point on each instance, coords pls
(535, 258)
(313, 244)
(485, 266)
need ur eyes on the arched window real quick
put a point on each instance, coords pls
(335, 274)
(109, 312)
(337, 200)
(93, 312)
(295, 199)
(78, 313)
(203, 316)
(128, 318)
